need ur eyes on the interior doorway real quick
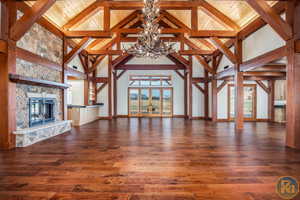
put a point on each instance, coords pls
(249, 102)
(150, 96)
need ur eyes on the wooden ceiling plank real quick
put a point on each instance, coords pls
(269, 15)
(82, 16)
(263, 59)
(222, 47)
(76, 50)
(218, 16)
(28, 19)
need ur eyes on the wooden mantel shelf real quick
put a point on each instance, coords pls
(37, 82)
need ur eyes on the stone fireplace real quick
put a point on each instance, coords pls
(41, 111)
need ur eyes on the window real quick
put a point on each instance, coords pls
(150, 81)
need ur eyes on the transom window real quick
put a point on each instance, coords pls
(150, 81)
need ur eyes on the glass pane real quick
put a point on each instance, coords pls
(248, 101)
(155, 101)
(145, 83)
(144, 100)
(133, 101)
(232, 104)
(166, 83)
(167, 102)
(155, 83)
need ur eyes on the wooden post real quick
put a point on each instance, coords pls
(115, 93)
(190, 85)
(87, 84)
(109, 87)
(95, 86)
(7, 88)
(206, 97)
(214, 96)
(64, 80)
(239, 89)
(293, 78)
(271, 98)
(185, 94)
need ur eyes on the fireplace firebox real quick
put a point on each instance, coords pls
(41, 111)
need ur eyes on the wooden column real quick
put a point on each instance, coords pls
(7, 88)
(293, 78)
(115, 93)
(239, 87)
(190, 85)
(64, 80)
(206, 97)
(185, 94)
(95, 86)
(214, 95)
(271, 98)
(87, 84)
(109, 87)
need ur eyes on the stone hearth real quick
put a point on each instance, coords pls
(29, 136)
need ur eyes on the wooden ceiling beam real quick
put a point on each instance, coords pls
(92, 34)
(195, 52)
(222, 85)
(264, 59)
(163, 30)
(224, 49)
(99, 79)
(82, 16)
(199, 87)
(218, 15)
(149, 67)
(95, 64)
(269, 15)
(24, 8)
(264, 73)
(101, 87)
(22, 25)
(273, 67)
(105, 52)
(199, 80)
(205, 64)
(255, 78)
(138, 5)
(213, 33)
(263, 86)
(122, 59)
(75, 51)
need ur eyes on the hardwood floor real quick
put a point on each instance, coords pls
(143, 159)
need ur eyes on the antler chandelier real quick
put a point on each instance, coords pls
(149, 43)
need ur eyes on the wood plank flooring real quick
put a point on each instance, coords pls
(151, 159)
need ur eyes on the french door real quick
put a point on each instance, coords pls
(150, 102)
(249, 102)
